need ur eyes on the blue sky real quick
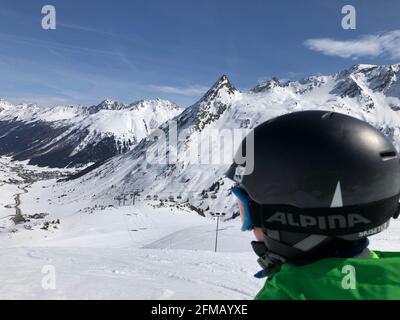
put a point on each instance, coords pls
(176, 49)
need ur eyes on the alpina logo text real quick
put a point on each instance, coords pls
(322, 222)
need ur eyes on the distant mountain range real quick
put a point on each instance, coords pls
(77, 135)
(72, 135)
(367, 92)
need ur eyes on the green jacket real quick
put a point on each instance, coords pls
(376, 277)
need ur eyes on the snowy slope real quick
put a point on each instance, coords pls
(140, 251)
(87, 273)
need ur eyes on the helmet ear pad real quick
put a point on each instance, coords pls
(294, 246)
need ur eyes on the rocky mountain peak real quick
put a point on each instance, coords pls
(223, 85)
(267, 85)
(106, 104)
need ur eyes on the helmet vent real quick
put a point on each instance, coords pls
(388, 155)
(327, 115)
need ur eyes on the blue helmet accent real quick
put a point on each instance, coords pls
(244, 200)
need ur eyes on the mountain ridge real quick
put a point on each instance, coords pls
(77, 135)
(224, 107)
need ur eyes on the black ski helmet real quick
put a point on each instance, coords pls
(320, 173)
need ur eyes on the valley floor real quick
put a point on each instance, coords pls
(74, 250)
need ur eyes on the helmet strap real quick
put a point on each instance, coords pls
(268, 261)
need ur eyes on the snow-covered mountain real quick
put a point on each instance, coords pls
(77, 135)
(367, 92)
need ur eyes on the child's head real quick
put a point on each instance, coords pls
(319, 181)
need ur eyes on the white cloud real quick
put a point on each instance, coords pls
(188, 91)
(387, 44)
